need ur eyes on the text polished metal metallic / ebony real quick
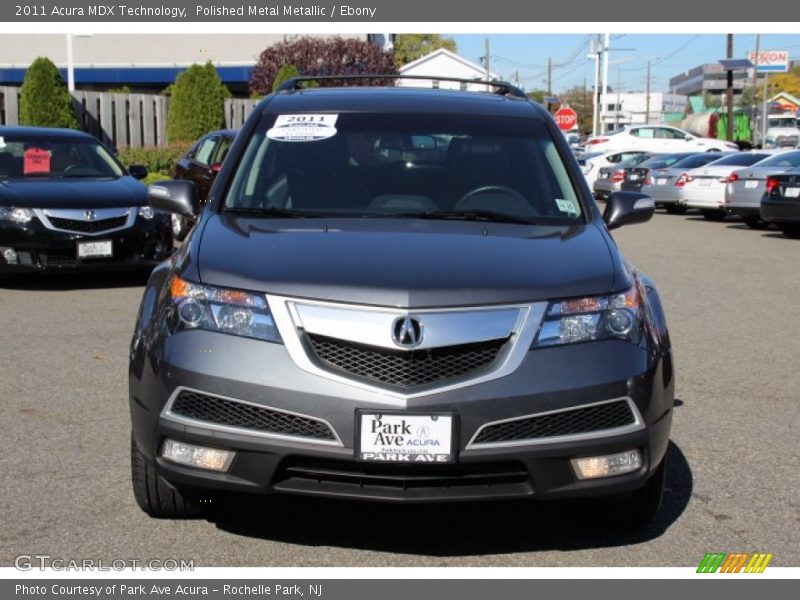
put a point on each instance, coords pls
(400, 295)
(66, 203)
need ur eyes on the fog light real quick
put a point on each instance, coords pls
(9, 255)
(592, 467)
(197, 456)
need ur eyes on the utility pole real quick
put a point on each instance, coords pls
(549, 76)
(647, 97)
(606, 57)
(729, 90)
(487, 62)
(595, 55)
(753, 120)
(618, 106)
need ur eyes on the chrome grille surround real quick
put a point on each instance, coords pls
(372, 326)
(79, 215)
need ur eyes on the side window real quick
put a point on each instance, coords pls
(204, 150)
(668, 134)
(644, 132)
(614, 158)
(221, 151)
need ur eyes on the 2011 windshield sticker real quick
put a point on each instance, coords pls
(303, 128)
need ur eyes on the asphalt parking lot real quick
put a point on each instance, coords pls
(732, 297)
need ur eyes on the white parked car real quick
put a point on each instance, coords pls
(592, 162)
(704, 188)
(656, 138)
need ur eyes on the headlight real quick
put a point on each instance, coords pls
(224, 310)
(20, 216)
(578, 320)
(146, 212)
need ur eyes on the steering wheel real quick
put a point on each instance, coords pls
(491, 188)
(71, 168)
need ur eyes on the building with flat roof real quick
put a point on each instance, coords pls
(632, 108)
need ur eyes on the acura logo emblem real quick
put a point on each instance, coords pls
(89, 215)
(407, 332)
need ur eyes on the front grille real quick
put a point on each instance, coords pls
(404, 368)
(787, 141)
(219, 411)
(88, 226)
(350, 478)
(588, 419)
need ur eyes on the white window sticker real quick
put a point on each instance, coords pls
(303, 128)
(567, 206)
(2, 142)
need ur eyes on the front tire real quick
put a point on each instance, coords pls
(713, 215)
(154, 495)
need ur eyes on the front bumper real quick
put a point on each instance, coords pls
(781, 210)
(146, 242)
(264, 375)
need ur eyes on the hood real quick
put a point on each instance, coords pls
(405, 262)
(72, 193)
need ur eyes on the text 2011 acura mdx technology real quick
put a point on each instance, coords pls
(400, 294)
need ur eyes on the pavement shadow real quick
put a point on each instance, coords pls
(86, 280)
(446, 530)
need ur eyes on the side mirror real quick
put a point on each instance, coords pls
(174, 196)
(138, 171)
(628, 208)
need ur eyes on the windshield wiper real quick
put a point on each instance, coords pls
(271, 212)
(462, 215)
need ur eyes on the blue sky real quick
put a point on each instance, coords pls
(671, 54)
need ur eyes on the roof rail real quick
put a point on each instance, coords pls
(502, 87)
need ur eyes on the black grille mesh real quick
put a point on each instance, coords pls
(571, 422)
(219, 411)
(404, 368)
(88, 226)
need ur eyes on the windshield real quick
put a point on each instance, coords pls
(359, 164)
(24, 157)
(782, 122)
(698, 160)
(740, 160)
(631, 161)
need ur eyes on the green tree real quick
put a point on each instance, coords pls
(197, 103)
(411, 46)
(44, 100)
(580, 100)
(285, 73)
(537, 95)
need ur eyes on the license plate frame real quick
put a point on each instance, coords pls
(94, 249)
(448, 455)
(751, 184)
(661, 181)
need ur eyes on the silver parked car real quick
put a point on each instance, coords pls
(705, 186)
(609, 179)
(747, 186)
(665, 185)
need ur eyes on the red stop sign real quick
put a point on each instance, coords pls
(566, 118)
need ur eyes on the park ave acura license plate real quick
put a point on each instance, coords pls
(405, 438)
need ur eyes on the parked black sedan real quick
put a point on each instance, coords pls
(67, 203)
(201, 164)
(780, 204)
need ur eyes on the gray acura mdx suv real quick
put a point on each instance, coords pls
(402, 295)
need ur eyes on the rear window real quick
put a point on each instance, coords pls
(692, 162)
(741, 160)
(358, 164)
(660, 162)
(788, 160)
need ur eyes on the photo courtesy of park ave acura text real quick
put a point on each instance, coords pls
(487, 299)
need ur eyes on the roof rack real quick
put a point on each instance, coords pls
(502, 87)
